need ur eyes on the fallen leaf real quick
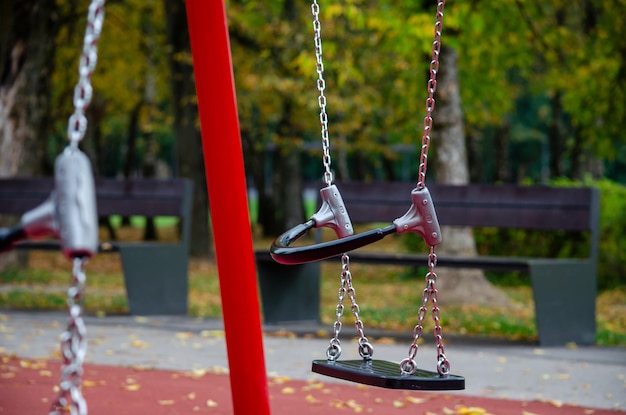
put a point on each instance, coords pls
(184, 335)
(288, 391)
(212, 333)
(166, 402)
(281, 379)
(313, 386)
(133, 387)
(398, 404)
(414, 400)
(471, 410)
(191, 396)
(311, 399)
(211, 403)
(140, 344)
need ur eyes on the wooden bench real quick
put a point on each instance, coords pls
(155, 272)
(564, 290)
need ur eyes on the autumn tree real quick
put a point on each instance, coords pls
(188, 147)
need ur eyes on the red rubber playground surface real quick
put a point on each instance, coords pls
(27, 388)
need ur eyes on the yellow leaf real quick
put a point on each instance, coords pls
(166, 402)
(398, 404)
(413, 399)
(133, 387)
(472, 410)
(281, 379)
(311, 399)
(139, 344)
(288, 391)
(313, 386)
(211, 403)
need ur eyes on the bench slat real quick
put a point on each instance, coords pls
(499, 206)
(146, 197)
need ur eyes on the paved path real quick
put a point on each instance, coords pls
(587, 376)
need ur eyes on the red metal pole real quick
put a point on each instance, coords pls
(223, 155)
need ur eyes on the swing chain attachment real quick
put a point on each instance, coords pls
(408, 366)
(366, 349)
(430, 101)
(321, 86)
(73, 347)
(83, 91)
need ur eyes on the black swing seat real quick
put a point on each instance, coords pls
(386, 375)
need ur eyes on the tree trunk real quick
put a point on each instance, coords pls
(189, 156)
(27, 56)
(28, 29)
(456, 286)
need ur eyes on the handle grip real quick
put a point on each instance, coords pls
(76, 204)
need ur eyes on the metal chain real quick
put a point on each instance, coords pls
(321, 86)
(73, 348)
(366, 350)
(73, 340)
(408, 366)
(77, 123)
(430, 101)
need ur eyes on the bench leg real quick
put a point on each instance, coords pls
(289, 293)
(565, 302)
(156, 278)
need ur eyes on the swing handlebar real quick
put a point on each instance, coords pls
(421, 218)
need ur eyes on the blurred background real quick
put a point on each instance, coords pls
(530, 92)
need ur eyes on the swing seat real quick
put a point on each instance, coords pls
(386, 374)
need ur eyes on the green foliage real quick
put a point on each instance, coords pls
(612, 255)
(131, 73)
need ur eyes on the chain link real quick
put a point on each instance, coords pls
(366, 350)
(321, 86)
(408, 366)
(430, 101)
(73, 340)
(73, 348)
(77, 123)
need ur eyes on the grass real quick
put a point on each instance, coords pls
(388, 298)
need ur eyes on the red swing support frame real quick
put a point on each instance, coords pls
(217, 106)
